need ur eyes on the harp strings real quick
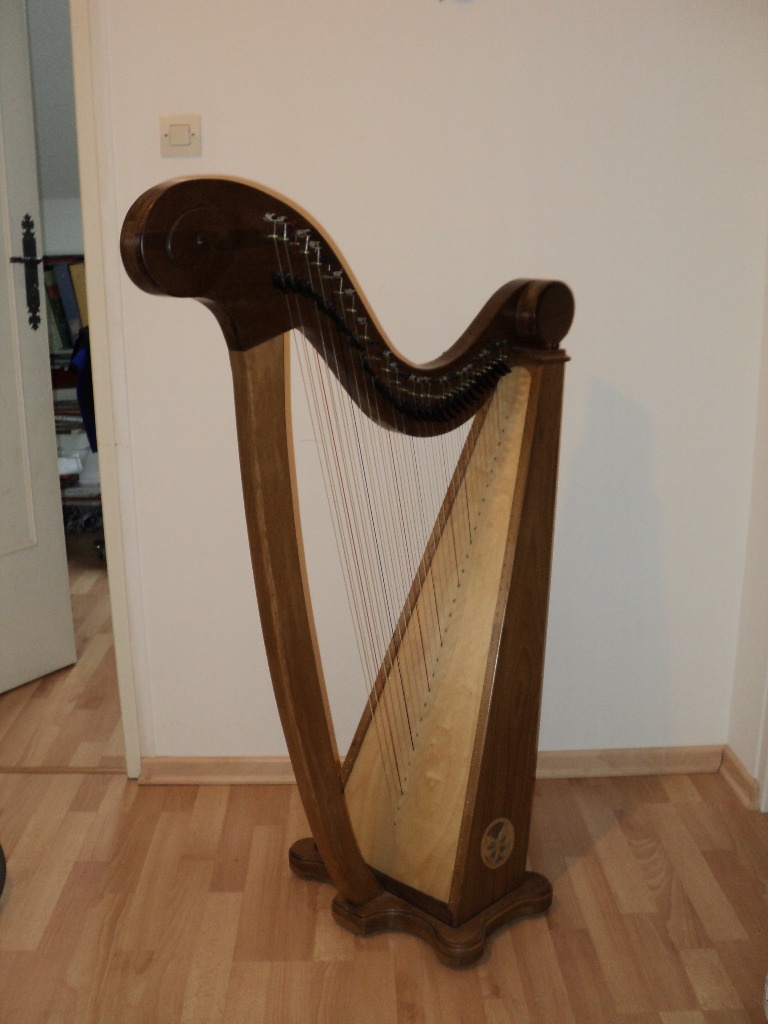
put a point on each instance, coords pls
(399, 548)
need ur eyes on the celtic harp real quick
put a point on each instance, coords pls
(441, 481)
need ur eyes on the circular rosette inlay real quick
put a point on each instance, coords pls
(497, 843)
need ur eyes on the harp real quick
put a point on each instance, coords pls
(424, 826)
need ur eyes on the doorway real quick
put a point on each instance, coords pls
(71, 717)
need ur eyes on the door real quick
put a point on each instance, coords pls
(36, 630)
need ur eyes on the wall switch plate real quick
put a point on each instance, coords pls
(180, 135)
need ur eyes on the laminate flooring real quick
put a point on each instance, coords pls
(70, 719)
(130, 904)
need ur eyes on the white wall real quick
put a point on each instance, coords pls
(51, 64)
(621, 145)
(62, 226)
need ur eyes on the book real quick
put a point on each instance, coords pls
(54, 336)
(77, 273)
(57, 326)
(68, 299)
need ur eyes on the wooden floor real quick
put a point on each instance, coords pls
(164, 904)
(71, 718)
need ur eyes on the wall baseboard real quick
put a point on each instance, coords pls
(581, 764)
(741, 782)
(552, 764)
(216, 771)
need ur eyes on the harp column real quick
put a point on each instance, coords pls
(262, 408)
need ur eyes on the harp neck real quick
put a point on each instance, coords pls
(264, 267)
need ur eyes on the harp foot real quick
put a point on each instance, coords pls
(456, 946)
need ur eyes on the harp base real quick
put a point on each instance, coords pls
(456, 946)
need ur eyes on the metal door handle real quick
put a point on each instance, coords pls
(30, 259)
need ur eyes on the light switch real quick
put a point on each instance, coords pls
(180, 135)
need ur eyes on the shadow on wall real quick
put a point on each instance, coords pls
(608, 650)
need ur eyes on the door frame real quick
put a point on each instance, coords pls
(104, 316)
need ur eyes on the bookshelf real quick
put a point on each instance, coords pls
(68, 343)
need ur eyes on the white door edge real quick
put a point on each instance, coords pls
(104, 308)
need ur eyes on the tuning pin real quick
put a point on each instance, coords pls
(301, 236)
(275, 220)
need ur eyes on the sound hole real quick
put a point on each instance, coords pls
(497, 843)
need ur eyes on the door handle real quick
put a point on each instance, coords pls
(30, 260)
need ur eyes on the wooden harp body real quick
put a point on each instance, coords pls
(426, 833)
